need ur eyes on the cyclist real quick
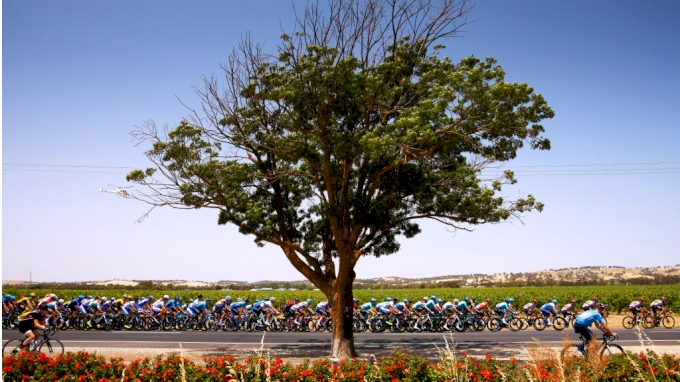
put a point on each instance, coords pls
(462, 306)
(530, 307)
(636, 307)
(300, 309)
(32, 324)
(503, 308)
(656, 306)
(481, 307)
(587, 318)
(367, 310)
(158, 307)
(269, 309)
(24, 304)
(549, 310)
(7, 304)
(288, 305)
(568, 309)
(420, 307)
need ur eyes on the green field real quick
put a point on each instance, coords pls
(617, 296)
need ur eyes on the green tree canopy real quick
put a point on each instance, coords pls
(331, 150)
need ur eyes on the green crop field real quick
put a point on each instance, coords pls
(617, 296)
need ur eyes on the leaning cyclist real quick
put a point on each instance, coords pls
(549, 310)
(636, 307)
(657, 306)
(32, 324)
(587, 318)
(503, 308)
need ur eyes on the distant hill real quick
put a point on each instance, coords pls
(590, 275)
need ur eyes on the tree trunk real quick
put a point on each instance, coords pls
(342, 311)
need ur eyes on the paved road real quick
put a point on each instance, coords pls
(315, 344)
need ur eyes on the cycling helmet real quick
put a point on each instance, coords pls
(200, 295)
(61, 300)
(374, 300)
(405, 300)
(439, 300)
(309, 301)
(89, 296)
(247, 300)
(113, 299)
(641, 298)
(573, 301)
(455, 301)
(191, 300)
(272, 299)
(8, 295)
(395, 299)
(488, 300)
(388, 299)
(207, 299)
(266, 299)
(466, 299)
(434, 297)
(228, 298)
(554, 301)
(104, 298)
(535, 301)
(425, 298)
(166, 297)
(509, 300)
(239, 299)
(181, 299)
(32, 295)
(53, 297)
(663, 298)
(595, 298)
(355, 299)
(150, 297)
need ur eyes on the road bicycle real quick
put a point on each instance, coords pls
(45, 344)
(643, 318)
(664, 319)
(605, 349)
(558, 323)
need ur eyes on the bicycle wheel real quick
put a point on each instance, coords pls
(648, 322)
(51, 347)
(628, 322)
(559, 323)
(668, 322)
(494, 324)
(515, 325)
(610, 349)
(539, 324)
(10, 347)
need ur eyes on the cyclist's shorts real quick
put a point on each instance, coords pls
(124, 311)
(546, 312)
(656, 308)
(501, 311)
(384, 310)
(26, 326)
(190, 312)
(583, 330)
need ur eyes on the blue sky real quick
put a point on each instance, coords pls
(78, 76)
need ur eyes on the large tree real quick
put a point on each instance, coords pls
(345, 138)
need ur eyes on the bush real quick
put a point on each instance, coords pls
(397, 367)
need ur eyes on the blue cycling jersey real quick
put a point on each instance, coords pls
(461, 306)
(588, 317)
(502, 305)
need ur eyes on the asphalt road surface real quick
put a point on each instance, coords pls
(302, 345)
